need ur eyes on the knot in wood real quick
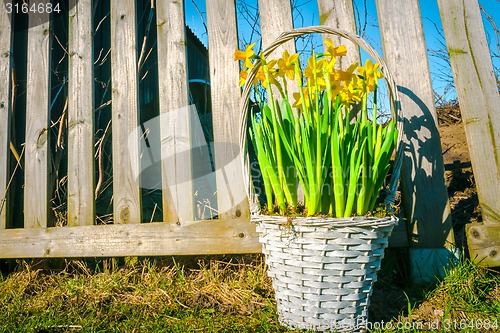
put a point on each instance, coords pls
(125, 214)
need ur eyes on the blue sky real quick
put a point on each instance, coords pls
(306, 13)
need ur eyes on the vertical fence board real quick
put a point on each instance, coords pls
(423, 170)
(81, 208)
(175, 139)
(5, 110)
(224, 77)
(126, 193)
(480, 107)
(276, 18)
(428, 216)
(340, 14)
(271, 27)
(36, 200)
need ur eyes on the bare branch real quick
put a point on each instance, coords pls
(201, 16)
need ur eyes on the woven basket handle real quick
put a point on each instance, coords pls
(393, 94)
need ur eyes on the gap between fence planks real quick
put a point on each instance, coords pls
(37, 168)
(5, 111)
(479, 99)
(81, 206)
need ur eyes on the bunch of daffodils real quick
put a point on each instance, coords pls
(311, 139)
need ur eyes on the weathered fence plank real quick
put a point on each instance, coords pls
(428, 216)
(126, 193)
(340, 14)
(36, 168)
(224, 76)
(175, 141)
(146, 239)
(81, 207)
(5, 111)
(480, 107)
(484, 243)
(273, 25)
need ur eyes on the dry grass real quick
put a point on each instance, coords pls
(146, 297)
(204, 295)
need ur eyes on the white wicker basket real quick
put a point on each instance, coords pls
(322, 268)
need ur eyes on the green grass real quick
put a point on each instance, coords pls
(209, 296)
(466, 300)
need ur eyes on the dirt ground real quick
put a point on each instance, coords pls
(393, 292)
(458, 172)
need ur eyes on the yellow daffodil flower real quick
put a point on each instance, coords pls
(273, 73)
(346, 75)
(309, 71)
(246, 55)
(333, 51)
(286, 64)
(243, 77)
(352, 92)
(336, 88)
(299, 103)
(314, 73)
(370, 72)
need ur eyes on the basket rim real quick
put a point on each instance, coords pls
(320, 221)
(393, 96)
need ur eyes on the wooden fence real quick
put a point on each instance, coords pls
(182, 232)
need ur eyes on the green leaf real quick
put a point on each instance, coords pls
(337, 170)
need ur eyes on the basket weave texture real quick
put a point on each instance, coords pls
(323, 269)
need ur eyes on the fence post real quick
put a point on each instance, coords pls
(480, 107)
(5, 111)
(424, 194)
(81, 207)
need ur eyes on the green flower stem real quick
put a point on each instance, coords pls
(277, 143)
(271, 181)
(336, 142)
(374, 120)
